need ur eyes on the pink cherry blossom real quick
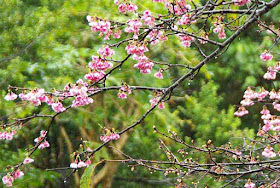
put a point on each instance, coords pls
(28, 160)
(122, 95)
(116, 2)
(161, 105)
(222, 34)
(74, 165)
(158, 75)
(250, 94)
(247, 102)
(241, 112)
(18, 174)
(153, 101)
(114, 136)
(268, 152)
(131, 8)
(266, 56)
(106, 51)
(122, 8)
(58, 107)
(133, 48)
(133, 26)
(88, 162)
(117, 34)
(268, 126)
(148, 18)
(99, 64)
(111, 136)
(144, 65)
(272, 94)
(262, 94)
(270, 74)
(36, 97)
(10, 96)
(250, 185)
(186, 40)
(155, 36)
(276, 106)
(95, 76)
(82, 164)
(185, 20)
(126, 88)
(102, 26)
(43, 145)
(8, 180)
(204, 41)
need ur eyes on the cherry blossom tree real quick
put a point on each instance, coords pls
(201, 26)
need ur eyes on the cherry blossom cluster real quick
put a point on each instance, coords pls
(9, 178)
(7, 135)
(156, 35)
(271, 72)
(154, 101)
(268, 152)
(109, 135)
(124, 90)
(186, 40)
(219, 28)
(102, 26)
(125, 7)
(80, 164)
(80, 91)
(41, 140)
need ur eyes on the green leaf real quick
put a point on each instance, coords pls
(87, 176)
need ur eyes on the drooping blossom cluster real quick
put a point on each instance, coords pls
(28, 160)
(271, 72)
(10, 177)
(126, 7)
(80, 164)
(156, 35)
(177, 7)
(148, 18)
(268, 152)
(36, 97)
(185, 20)
(124, 90)
(158, 74)
(99, 64)
(219, 28)
(102, 26)
(10, 96)
(186, 40)
(7, 135)
(138, 50)
(144, 64)
(266, 56)
(109, 135)
(133, 26)
(80, 92)
(41, 139)
(241, 111)
(154, 101)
